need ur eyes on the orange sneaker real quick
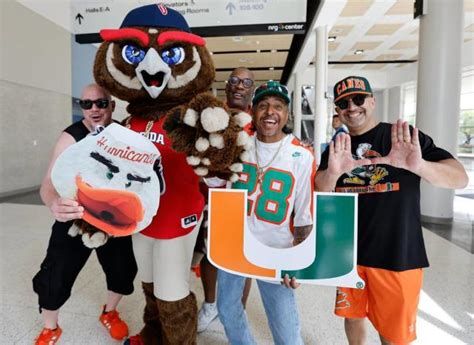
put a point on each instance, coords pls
(48, 336)
(111, 320)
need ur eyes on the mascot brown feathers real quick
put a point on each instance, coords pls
(164, 72)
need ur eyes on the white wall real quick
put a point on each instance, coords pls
(394, 104)
(35, 94)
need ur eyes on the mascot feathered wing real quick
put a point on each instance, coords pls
(155, 64)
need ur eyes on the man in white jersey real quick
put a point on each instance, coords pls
(278, 176)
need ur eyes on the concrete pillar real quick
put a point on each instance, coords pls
(297, 100)
(320, 94)
(386, 99)
(438, 92)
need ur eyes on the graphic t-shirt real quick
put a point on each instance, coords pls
(389, 225)
(181, 202)
(281, 193)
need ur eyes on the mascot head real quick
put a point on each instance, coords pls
(153, 61)
(112, 175)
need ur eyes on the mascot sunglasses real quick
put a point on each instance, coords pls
(86, 104)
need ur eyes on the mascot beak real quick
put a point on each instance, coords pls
(116, 212)
(153, 73)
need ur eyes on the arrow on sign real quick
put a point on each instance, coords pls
(79, 17)
(230, 6)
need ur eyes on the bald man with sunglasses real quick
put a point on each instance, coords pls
(67, 255)
(384, 164)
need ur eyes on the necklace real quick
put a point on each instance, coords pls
(261, 168)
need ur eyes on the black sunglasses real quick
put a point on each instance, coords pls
(101, 103)
(358, 100)
(246, 82)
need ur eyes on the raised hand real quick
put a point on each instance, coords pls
(211, 135)
(406, 151)
(340, 158)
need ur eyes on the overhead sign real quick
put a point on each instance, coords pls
(232, 17)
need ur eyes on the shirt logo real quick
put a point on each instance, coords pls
(296, 154)
(189, 221)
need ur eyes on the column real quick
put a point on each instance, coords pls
(438, 92)
(297, 100)
(320, 95)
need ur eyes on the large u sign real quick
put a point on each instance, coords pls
(327, 257)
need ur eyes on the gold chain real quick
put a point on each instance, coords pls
(261, 168)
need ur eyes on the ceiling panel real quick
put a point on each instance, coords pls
(405, 45)
(469, 5)
(356, 8)
(401, 7)
(365, 45)
(388, 57)
(384, 29)
(353, 57)
(258, 74)
(250, 60)
(340, 30)
(333, 45)
(249, 43)
(469, 28)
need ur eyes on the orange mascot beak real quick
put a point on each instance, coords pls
(115, 212)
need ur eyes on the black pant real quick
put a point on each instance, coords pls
(67, 255)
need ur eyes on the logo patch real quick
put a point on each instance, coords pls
(296, 154)
(189, 221)
(163, 9)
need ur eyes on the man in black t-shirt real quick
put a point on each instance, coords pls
(383, 163)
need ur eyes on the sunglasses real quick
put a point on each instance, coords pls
(358, 100)
(101, 103)
(246, 82)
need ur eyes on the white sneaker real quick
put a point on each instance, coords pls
(207, 313)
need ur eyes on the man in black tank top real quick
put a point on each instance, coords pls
(67, 255)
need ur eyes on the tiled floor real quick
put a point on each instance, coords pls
(446, 314)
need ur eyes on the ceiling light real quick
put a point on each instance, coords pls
(271, 68)
(258, 50)
(359, 51)
(273, 51)
(332, 38)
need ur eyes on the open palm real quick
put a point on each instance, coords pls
(406, 150)
(340, 159)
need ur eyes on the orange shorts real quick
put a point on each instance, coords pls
(389, 299)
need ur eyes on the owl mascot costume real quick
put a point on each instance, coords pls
(164, 72)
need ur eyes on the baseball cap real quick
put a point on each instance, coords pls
(155, 15)
(351, 85)
(271, 87)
